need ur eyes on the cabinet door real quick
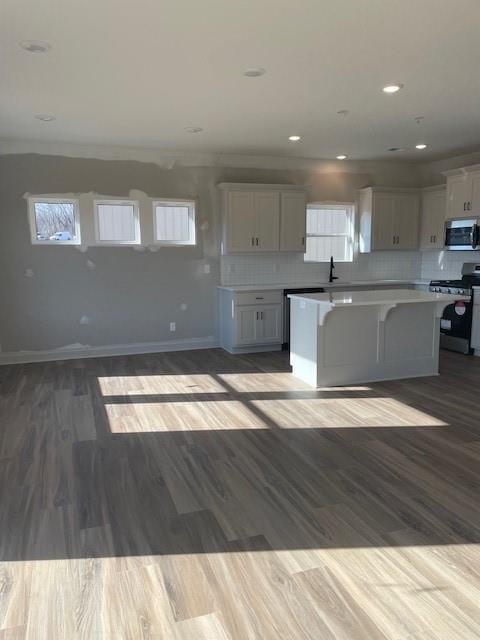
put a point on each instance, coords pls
(293, 212)
(241, 226)
(246, 325)
(459, 194)
(267, 220)
(382, 221)
(405, 221)
(475, 339)
(271, 323)
(433, 220)
(475, 200)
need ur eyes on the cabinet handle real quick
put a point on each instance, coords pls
(258, 297)
(253, 241)
(303, 241)
(257, 242)
(469, 206)
(257, 315)
(393, 239)
(261, 315)
(434, 238)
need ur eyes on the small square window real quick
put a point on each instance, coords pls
(330, 232)
(54, 221)
(117, 222)
(174, 222)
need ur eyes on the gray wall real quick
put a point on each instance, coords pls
(131, 296)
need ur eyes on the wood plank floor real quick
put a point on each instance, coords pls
(198, 495)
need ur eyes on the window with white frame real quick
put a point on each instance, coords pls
(330, 232)
(117, 222)
(54, 221)
(174, 222)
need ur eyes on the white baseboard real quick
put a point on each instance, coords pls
(75, 352)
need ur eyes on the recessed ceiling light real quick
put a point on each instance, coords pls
(342, 157)
(35, 46)
(254, 72)
(420, 146)
(294, 138)
(392, 88)
(45, 117)
(193, 129)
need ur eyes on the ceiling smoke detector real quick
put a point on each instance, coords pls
(35, 46)
(254, 72)
(193, 129)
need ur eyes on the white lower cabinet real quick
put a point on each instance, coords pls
(269, 323)
(251, 321)
(475, 340)
(257, 325)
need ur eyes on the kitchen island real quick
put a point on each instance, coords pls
(356, 337)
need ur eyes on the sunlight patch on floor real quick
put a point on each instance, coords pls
(343, 413)
(181, 416)
(159, 384)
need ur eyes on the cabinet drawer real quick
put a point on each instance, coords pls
(258, 297)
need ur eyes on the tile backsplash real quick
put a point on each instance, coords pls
(382, 265)
(445, 265)
(291, 268)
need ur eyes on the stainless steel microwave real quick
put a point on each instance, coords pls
(462, 235)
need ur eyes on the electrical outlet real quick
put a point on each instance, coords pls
(173, 326)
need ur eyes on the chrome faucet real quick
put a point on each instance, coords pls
(331, 277)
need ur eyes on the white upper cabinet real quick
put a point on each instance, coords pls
(463, 192)
(293, 222)
(241, 220)
(432, 229)
(259, 218)
(389, 219)
(267, 220)
(406, 217)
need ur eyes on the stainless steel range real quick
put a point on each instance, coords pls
(456, 322)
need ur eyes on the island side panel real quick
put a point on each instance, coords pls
(348, 346)
(303, 340)
(373, 343)
(411, 340)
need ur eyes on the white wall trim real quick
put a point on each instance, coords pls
(75, 352)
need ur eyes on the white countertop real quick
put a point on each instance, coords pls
(380, 297)
(325, 285)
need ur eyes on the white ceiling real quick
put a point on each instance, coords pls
(136, 72)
